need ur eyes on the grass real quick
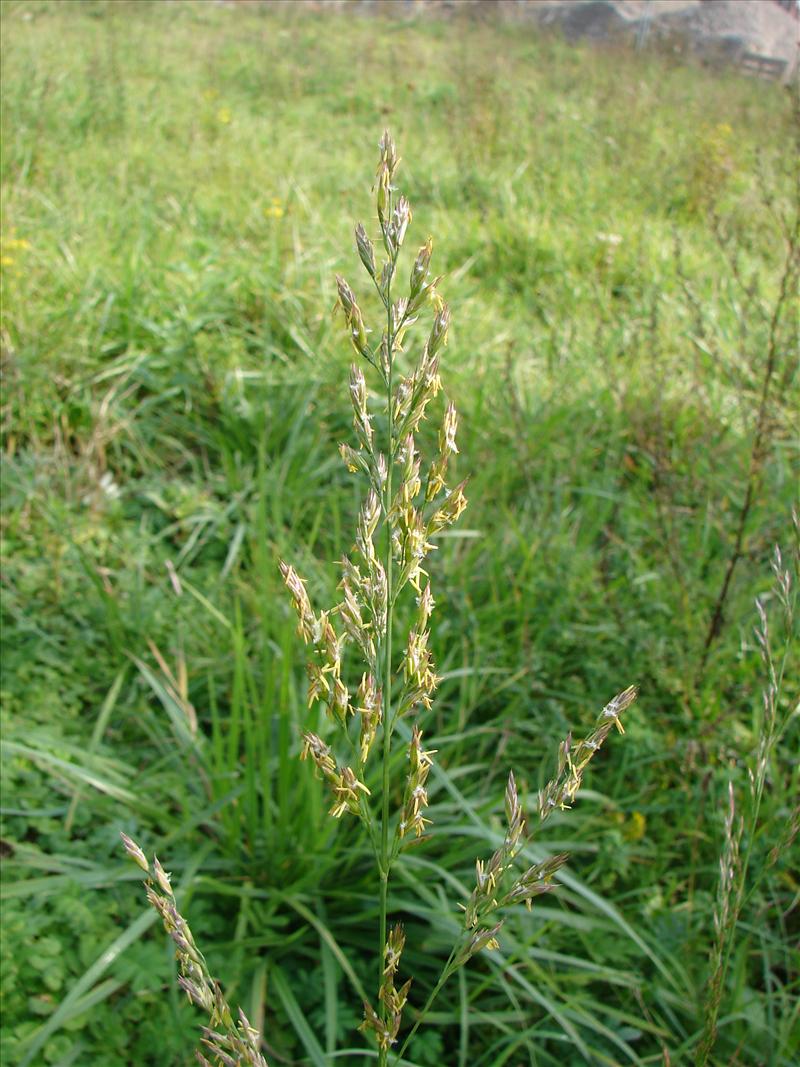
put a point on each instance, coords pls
(179, 186)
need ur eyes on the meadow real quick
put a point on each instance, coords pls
(619, 239)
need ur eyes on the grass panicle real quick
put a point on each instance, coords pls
(402, 512)
(735, 861)
(231, 1041)
(399, 518)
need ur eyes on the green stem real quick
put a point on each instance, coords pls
(385, 860)
(443, 977)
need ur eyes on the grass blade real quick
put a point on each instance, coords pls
(297, 1018)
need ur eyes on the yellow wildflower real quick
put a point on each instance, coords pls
(11, 244)
(275, 209)
(635, 827)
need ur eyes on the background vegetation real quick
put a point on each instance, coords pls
(179, 186)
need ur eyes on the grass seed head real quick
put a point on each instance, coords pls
(561, 790)
(419, 272)
(135, 853)
(366, 251)
(234, 1044)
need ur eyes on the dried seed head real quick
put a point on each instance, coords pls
(515, 817)
(419, 272)
(441, 325)
(318, 684)
(536, 880)
(412, 546)
(451, 510)
(354, 461)
(425, 605)
(339, 705)
(447, 447)
(162, 877)
(320, 753)
(385, 174)
(365, 250)
(385, 1033)
(135, 853)
(398, 224)
(447, 434)
(485, 938)
(307, 628)
(572, 762)
(234, 1045)
(345, 793)
(381, 472)
(358, 396)
(393, 950)
(355, 322)
(388, 151)
(416, 796)
(369, 708)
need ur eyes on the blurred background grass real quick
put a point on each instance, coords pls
(179, 187)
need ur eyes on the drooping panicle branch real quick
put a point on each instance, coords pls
(497, 884)
(230, 1041)
(561, 790)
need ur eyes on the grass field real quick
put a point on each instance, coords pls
(179, 185)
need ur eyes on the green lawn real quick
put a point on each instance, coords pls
(179, 184)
